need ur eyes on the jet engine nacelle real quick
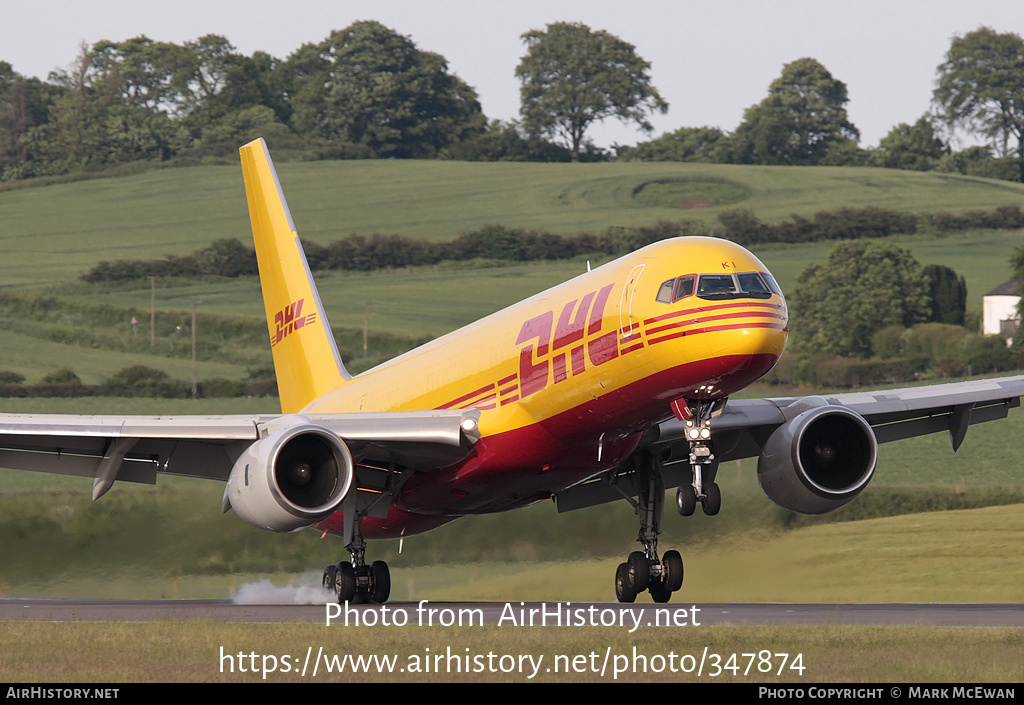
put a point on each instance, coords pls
(818, 461)
(291, 479)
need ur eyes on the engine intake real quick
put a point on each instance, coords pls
(291, 479)
(818, 461)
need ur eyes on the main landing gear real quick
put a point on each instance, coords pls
(354, 581)
(643, 570)
(357, 582)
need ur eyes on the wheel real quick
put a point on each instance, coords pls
(686, 500)
(712, 501)
(638, 571)
(623, 593)
(380, 582)
(659, 593)
(345, 582)
(330, 581)
(672, 569)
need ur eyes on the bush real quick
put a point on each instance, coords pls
(847, 372)
(933, 340)
(984, 353)
(888, 342)
(142, 381)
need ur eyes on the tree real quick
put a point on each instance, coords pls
(981, 88)
(947, 293)
(687, 144)
(572, 76)
(803, 117)
(863, 287)
(24, 104)
(913, 147)
(369, 85)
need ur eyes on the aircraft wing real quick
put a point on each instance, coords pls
(745, 427)
(137, 448)
(893, 414)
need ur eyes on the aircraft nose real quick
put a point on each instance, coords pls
(757, 340)
(765, 334)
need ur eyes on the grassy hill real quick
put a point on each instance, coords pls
(51, 234)
(54, 233)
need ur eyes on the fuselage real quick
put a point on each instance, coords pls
(567, 381)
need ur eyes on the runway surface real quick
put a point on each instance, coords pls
(959, 615)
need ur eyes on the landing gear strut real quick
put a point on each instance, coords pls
(354, 581)
(643, 570)
(702, 487)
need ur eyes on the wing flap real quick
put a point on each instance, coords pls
(207, 446)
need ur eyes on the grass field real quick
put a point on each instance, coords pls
(52, 234)
(431, 301)
(171, 541)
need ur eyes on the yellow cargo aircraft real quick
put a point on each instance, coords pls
(614, 385)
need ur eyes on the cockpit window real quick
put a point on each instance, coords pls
(714, 287)
(748, 285)
(752, 283)
(684, 287)
(665, 292)
(675, 289)
(772, 284)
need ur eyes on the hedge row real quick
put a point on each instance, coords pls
(137, 381)
(982, 355)
(230, 258)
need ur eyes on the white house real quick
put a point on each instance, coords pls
(999, 310)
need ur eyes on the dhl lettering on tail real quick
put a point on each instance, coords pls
(290, 319)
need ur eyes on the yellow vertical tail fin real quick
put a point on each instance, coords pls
(306, 357)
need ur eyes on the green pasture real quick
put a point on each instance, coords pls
(422, 302)
(51, 234)
(35, 358)
(54, 233)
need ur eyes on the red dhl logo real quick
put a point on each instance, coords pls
(288, 320)
(554, 356)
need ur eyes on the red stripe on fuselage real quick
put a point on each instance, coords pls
(716, 307)
(702, 319)
(521, 466)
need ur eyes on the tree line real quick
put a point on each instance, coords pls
(872, 314)
(803, 120)
(366, 91)
(363, 92)
(231, 258)
(137, 381)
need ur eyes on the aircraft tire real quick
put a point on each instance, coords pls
(623, 592)
(660, 593)
(330, 580)
(672, 569)
(346, 582)
(380, 579)
(712, 502)
(638, 571)
(686, 500)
